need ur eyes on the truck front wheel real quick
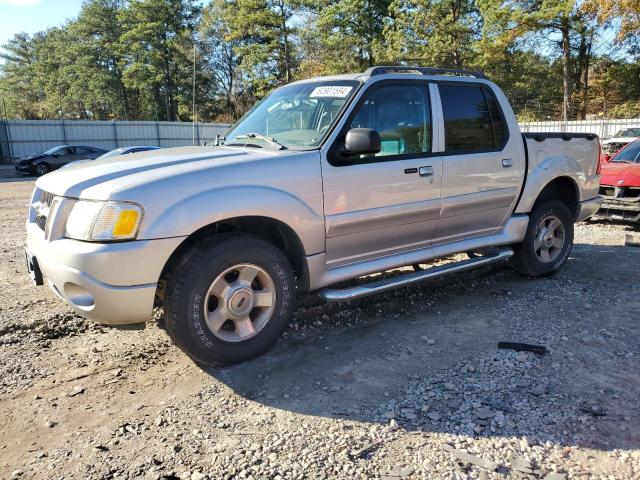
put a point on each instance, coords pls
(548, 241)
(229, 299)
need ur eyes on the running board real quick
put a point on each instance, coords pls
(352, 293)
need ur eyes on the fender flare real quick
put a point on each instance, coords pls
(542, 175)
(195, 212)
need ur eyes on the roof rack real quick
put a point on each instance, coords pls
(380, 70)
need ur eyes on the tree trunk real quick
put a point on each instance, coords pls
(566, 73)
(285, 42)
(168, 93)
(585, 78)
(123, 93)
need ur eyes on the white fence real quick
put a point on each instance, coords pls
(603, 128)
(20, 137)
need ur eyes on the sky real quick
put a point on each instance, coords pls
(32, 16)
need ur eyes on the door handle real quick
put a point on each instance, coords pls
(426, 171)
(507, 162)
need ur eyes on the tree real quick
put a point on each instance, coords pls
(158, 38)
(626, 13)
(17, 86)
(98, 40)
(262, 32)
(222, 60)
(439, 33)
(350, 33)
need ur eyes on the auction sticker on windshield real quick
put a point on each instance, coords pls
(331, 91)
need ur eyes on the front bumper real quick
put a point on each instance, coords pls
(24, 169)
(588, 208)
(620, 208)
(113, 283)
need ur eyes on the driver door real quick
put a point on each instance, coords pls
(385, 203)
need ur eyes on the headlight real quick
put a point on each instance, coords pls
(103, 221)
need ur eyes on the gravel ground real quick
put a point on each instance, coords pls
(408, 384)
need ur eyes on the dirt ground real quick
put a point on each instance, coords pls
(408, 384)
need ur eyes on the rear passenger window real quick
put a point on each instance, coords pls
(472, 120)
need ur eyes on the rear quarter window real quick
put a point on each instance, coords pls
(473, 121)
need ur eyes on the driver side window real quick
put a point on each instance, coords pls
(402, 117)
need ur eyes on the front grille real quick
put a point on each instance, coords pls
(46, 199)
(620, 192)
(607, 191)
(631, 192)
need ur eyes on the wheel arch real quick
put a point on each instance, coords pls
(271, 230)
(564, 189)
(543, 184)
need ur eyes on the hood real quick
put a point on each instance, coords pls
(620, 174)
(33, 156)
(100, 179)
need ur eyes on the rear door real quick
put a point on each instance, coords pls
(381, 204)
(482, 164)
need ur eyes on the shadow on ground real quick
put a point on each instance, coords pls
(435, 344)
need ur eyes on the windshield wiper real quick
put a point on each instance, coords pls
(271, 141)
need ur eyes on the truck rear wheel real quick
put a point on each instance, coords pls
(229, 299)
(548, 241)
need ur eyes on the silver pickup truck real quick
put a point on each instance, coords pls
(323, 181)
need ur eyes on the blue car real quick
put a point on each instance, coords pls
(127, 151)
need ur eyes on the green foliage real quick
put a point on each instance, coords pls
(134, 59)
(263, 34)
(350, 33)
(440, 33)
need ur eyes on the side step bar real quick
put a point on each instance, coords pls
(352, 293)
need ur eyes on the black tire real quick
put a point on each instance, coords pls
(526, 259)
(186, 298)
(42, 169)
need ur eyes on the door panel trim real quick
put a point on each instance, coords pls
(377, 218)
(477, 201)
(383, 242)
(321, 276)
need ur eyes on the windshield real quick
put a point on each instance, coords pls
(112, 153)
(628, 132)
(630, 154)
(53, 150)
(296, 116)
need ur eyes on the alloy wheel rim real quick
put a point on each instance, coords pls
(549, 239)
(240, 302)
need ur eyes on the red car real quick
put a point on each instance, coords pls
(620, 184)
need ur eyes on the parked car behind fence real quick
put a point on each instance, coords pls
(55, 158)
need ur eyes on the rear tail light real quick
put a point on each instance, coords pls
(600, 158)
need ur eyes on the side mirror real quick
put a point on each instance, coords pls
(56, 154)
(362, 140)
